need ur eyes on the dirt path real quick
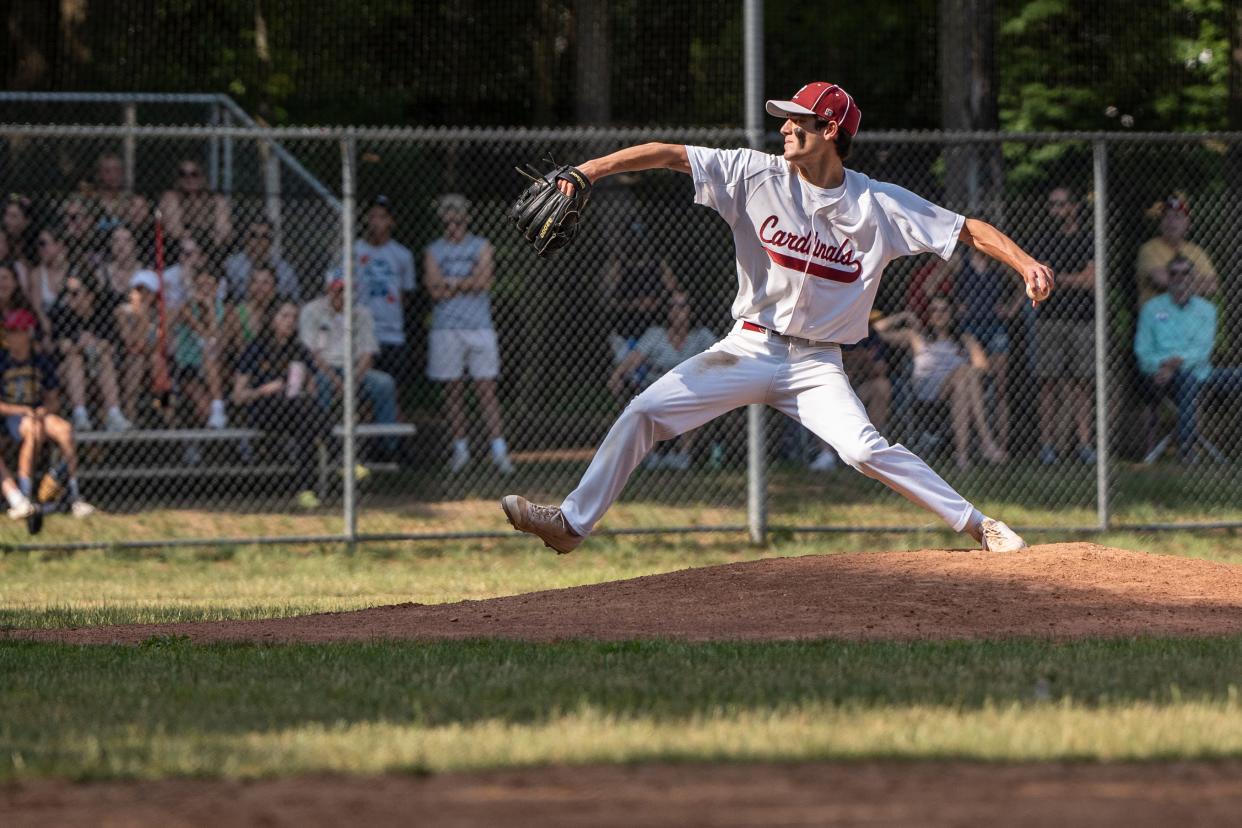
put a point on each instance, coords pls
(870, 794)
(1060, 591)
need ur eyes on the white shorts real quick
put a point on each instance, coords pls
(451, 352)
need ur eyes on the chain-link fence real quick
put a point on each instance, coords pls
(480, 369)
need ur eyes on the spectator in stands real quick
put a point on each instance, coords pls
(1064, 329)
(948, 365)
(49, 276)
(866, 364)
(272, 391)
(321, 328)
(636, 287)
(1156, 253)
(986, 302)
(116, 275)
(12, 297)
(660, 349)
(20, 272)
(931, 278)
(190, 207)
(191, 258)
(458, 273)
(1173, 344)
(114, 203)
(251, 316)
(137, 323)
(386, 279)
(199, 334)
(86, 342)
(78, 233)
(257, 252)
(28, 401)
(18, 218)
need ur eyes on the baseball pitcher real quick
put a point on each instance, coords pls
(812, 240)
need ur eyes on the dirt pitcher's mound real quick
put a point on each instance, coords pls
(1062, 591)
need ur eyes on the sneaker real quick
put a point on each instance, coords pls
(22, 510)
(81, 509)
(503, 464)
(825, 462)
(461, 457)
(82, 421)
(115, 421)
(1047, 456)
(544, 522)
(997, 537)
(1086, 455)
(218, 419)
(677, 461)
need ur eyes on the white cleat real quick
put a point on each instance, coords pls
(544, 522)
(997, 537)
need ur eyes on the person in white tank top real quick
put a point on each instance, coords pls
(812, 239)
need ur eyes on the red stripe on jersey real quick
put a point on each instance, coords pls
(822, 271)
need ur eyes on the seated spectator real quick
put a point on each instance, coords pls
(986, 301)
(866, 364)
(660, 349)
(1173, 344)
(10, 260)
(931, 278)
(256, 252)
(137, 323)
(191, 258)
(85, 339)
(199, 333)
(17, 224)
(1156, 253)
(947, 370)
(12, 297)
(79, 233)
(48, 277)
(28, 401)
(114, 203)
(250, 317)
(272, 392)
(190, 207)
(116, 274)
(321, 328)
(636, 286)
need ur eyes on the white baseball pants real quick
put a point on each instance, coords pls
(803, 379)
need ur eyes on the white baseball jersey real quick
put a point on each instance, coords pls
(809, 259)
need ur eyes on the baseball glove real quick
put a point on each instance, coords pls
(545, 216)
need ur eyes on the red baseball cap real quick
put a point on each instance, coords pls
(824, 100)
(19, 319)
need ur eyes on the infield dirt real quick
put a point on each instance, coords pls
(1056, 591)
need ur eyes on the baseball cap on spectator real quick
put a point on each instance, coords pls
(452, 203)
(825, 101)
(381, 201)
(19, 319)
(334, 279)
(1176, 202)
(145, 279)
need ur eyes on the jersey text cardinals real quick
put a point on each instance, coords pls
(809, 259)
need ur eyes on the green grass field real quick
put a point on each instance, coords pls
(169, 708)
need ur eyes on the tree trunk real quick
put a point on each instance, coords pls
(973, 172)
(593, 85)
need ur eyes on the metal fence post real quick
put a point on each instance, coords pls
(756, 448)
(213, 153)
(129, 143)
(1100, 174)
(349, 151)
